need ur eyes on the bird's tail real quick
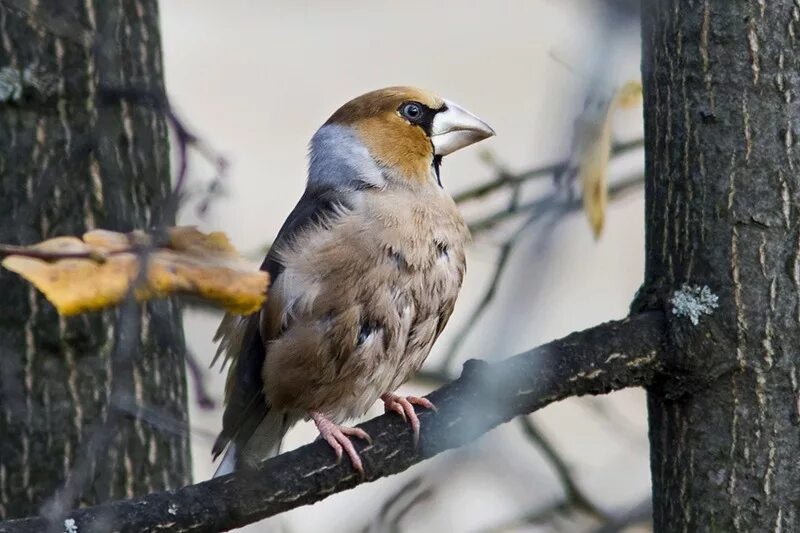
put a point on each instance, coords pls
(264, 443)
(228, 463)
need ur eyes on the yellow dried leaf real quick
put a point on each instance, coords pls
(76, 285)
(190, 263)
(109, 240)
(629, 95)
(188, 238)
(594, 180)
(595, 151)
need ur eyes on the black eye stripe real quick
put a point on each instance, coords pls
(424, 119)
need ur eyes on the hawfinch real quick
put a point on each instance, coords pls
(365, 273)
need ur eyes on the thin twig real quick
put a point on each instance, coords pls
(185, 139)
(398, 505)
(618, 424)
(535, 517)
(640, 513)
(489, 294)
(615, 191)
(536, 209)
(575, 500)
(204, 399)
(403, 511)
(505, 179)
(575, 496)
(157, 418)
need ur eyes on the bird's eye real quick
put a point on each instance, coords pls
(412, 111)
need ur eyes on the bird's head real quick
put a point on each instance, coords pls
(399, 132)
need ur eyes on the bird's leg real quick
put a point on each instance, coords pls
(339, 438)
(404, 406)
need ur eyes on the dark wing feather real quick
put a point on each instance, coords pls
(245, 405)
(315, 207)
(244, 399)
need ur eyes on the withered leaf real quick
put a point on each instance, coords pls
(79, 275)
(593, 149)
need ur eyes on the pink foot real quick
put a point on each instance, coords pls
(404, 406)
(338, 437)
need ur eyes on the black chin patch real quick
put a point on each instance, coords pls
(437, 163)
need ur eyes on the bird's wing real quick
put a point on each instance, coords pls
(241, 340)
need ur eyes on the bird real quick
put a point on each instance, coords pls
(365, 272)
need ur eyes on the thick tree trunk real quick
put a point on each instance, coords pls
(68, 164)
(721, 91)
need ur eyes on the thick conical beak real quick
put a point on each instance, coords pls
(454, 128)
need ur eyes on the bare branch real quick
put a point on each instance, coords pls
(535, 517)
(491, 290)
(204, 399)
(398, 505)
(554, 203)
(641, 513)
(618, 423)
(574, 495)
(184, 137)
(507, 179)
(607, 357)
(615, 191)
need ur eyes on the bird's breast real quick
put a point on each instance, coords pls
(359, 303)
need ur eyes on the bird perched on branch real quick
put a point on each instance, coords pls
(365, 273)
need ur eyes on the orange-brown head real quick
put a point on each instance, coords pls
(404, 130)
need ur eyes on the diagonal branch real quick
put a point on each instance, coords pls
(505, 178)
(574, 494)
(616, 191)
(491, 290)
(598, 360)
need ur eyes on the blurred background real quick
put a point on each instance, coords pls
(256, 78)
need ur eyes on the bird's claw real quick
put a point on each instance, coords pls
(404, 406)
(338, 437)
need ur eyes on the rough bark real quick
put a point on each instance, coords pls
(68, 164)
(595, 361)
(722, 186)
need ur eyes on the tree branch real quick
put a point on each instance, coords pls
(574, 494)
(616, 191)
(504, 178)
(598, 360)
